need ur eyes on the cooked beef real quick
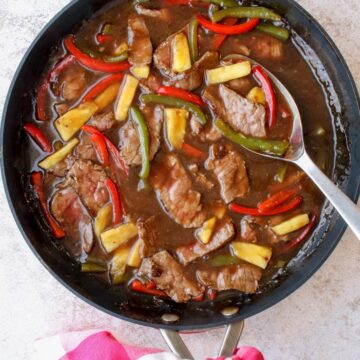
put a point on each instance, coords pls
(151, 84)
(169, 277)
(249, 230)
(89, 182)
(61, 108)
(140, 47)
(73, 83)
(174, 189)
(160, 14)
(193, 78)
(103, 121)
(222, 235)
(62, 168)
(129, 138)
(241, 86)
(73, 218)
(200, 177)
(204, 134)
(86, 150)
(244, 277)
(268, 48)
(229, 168)
(147, 236)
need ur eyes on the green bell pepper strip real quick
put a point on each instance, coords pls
(223, 260)
(246, 12)
(174, 102)
(92, 267)
(280, 176)
(193, 39)
(275, 147)
(223, 3)
(275, 31)
(140, 123)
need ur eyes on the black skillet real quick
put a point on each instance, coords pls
(339, 88)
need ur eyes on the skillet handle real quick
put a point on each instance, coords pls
(177, 346)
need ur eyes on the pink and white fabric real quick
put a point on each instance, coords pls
(102, 345)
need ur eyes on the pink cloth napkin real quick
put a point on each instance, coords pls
(102, 345)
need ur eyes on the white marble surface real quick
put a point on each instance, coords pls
(320, 321)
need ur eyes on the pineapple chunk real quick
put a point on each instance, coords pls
(205, 232)
(134, 259)
(120, 235)
(229, 72)
(140, 72)
(257, 95)
(58, 156)
(118, 264)
(71, 122)
(180, 53)
(176, 126)
(107, 96)
(103, 219)
(121, 48)
(254, 254)
(125, 98)
(291, 225)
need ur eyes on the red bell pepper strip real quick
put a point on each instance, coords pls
(181, 94)
(298, 240)
(115, 199)
(244, 210)
(227, 29)
(60, 67)
(137, 286)
(212, 294)
(103, 38)
(192, 151)
(114, 151)
(101, 86)
(199, 298)
(38, 136)
(219, 39)
(37, 182)
(277, 199)
(269, 91)
(101, 148)
(92, 63)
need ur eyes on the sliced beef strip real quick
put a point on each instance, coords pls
(242, 277)
(72, 83)
(140, 46)
(169, 277)
(62, 168)
(89, 182)
(86, 150)
(174, 189)
(129, 138)
(204, 134)
(73, 218)
(147, 236)
(200, 177)
(229, 167)
(151, 84)
(160, 14)
(249, 230)
(222, 236)
(103, 121)
(61, 108)
(269, 48)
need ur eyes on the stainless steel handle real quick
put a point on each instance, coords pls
(345, 207)
(177, 346)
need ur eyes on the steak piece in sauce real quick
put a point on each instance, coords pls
(242, 277)
(140, 52)
(222, 236)
(129, 137)
(168, 275)
(73, 83)
(249, 230)
(62, 168)
(269, 48)
(73, 218)
(160, 14)
(86, 150)
(174, 189)
(103, 121)
(229, 168)
(89, 182)
(147, 236)
(240, 113)
(200, 177)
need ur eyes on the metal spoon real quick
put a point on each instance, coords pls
(297, 155)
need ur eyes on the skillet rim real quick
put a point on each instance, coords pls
(336, 233)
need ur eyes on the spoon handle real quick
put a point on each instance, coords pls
(345, 207)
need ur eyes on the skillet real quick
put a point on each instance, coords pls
(328, 66)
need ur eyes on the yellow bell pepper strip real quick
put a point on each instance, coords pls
(275, 31)
(246, 12)
(275, 147)
(176, 120)
(291, 225)
(103, 219)
(180, 53)
(229, 72)
(71, 122)
(252, 253)
(141, 126)
(125, 98)
(120, 235)
(59, 155)
(175, 103)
